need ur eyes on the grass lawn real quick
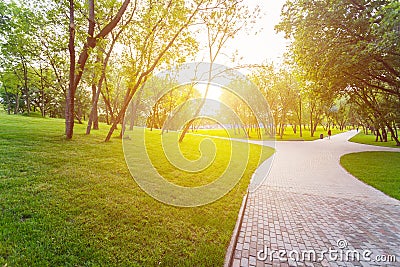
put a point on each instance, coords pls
(378, 169)
(74, 203)
(370, 140)
(289, 135)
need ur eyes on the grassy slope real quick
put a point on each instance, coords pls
(75, 203)
(289, 135)
(378, 169)
(370, 140)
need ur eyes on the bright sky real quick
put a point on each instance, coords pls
(258, 48)
(214, 92)
(265, 46)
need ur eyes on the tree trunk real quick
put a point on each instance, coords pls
(122, 132)
(301, 131)
(315, 126)
(154, 117)
(165, 127)
(94, 112)
(43, 108)
(185, 129)
(395, 137)
(70, 99)
(281, 130)
(107, 116)
(26, 89)
(91, 42)
(16, 109)
(311, 125)
(378, 134)
(8, 100)
(300, 118)
(120, 115)
(78, 118)
(187, 126)
(384, 134)
(132, 118)
(108, 107)
(134, 107)
(93, 116)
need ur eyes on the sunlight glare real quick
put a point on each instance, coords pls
(214, 91)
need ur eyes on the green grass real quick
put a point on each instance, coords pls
(378, 169)
(362, 138)
(289, 134)
(74, 203)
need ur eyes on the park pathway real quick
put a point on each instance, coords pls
(310, 203)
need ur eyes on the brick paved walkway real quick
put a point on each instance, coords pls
(309, 202)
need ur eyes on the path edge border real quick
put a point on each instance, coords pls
(235, 235)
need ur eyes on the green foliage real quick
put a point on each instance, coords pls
(32, 65)
(295, 101)
(378, 169)
(67, 203)
(347, 47)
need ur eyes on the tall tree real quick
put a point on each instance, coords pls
(77, 67)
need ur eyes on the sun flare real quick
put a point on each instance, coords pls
(214, 91)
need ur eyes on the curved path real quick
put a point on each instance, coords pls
(309, 203)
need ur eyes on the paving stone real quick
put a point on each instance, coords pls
(236, 263)
(309, 202)
(252, 260)
(238, 254)
(244, 262)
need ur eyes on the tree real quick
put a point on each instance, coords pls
(280, 88)
(104, 60)
(19, 47)
(245, 115)
(159, 37)
(222, 23)
(10, 91)
(77, 67)
(32, 47)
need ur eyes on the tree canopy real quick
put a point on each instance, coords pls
(349, 48)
